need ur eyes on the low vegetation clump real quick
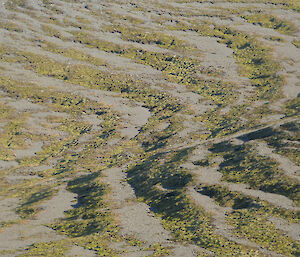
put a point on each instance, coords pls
(177, 69)
(292, 107)
(33, 197)
(71, 53)
(11, 128)
(296, 43)
(255, 59)
(192, 104)
(284, 141)
(242, 164)
(13, 137)
(92, 213)
(143, 36)
(250, 218)
(272, 22)
(161, 171)
(239, 201)
(276, 39)
(55, 249)
(94, 78)
(52, 32)
(256, 63)
(13, 5)
(114, 17)
(10, 26)
(252, 225)
(286, 4)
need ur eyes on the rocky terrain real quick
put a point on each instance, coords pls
(149, 128)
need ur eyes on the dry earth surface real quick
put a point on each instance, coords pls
(149, 128)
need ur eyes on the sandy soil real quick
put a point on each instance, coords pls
(137, 123)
